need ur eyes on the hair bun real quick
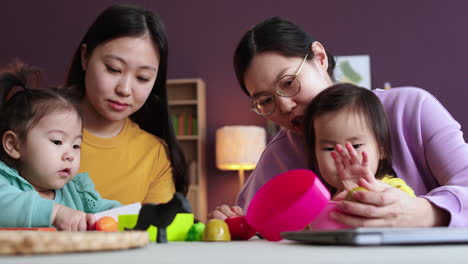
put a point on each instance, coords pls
(14, 90)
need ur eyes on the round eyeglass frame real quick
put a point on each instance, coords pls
(253, 104)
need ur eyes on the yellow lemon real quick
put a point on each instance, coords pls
(349, 196)
(217, 230)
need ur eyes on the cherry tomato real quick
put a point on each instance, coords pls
(107, 224)
(239, 228)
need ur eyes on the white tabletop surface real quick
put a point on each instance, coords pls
(257, 251)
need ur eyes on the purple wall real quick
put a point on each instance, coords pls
(419, 43)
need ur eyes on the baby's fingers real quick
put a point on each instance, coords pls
(82, 224)
(340, 196)
(237, 210)
(354, 158)
(371, 184)
(91, 222)
(224, 211)
(365, 159)
(338, 162)
(345, 159)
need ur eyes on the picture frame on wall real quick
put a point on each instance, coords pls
(353, 69)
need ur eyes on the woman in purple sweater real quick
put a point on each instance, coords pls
(281, 68)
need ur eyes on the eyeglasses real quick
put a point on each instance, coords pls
(286, 86)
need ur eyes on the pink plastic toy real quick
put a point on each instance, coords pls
(288, 202)
(323, 220)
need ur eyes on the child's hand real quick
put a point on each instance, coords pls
(351, 168)
(224, 211)
(340, 196)
(67, 219)
(91, 221)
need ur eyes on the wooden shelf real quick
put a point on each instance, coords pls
(183, 102)
(187, 137)
(186, 98)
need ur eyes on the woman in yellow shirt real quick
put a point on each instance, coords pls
(119, 72)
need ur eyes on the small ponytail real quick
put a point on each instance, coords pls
(23, 103)
(15, 78)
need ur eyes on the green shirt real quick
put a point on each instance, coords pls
(21, 205)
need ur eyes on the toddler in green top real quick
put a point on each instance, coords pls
(40, 156)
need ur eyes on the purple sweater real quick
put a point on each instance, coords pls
(429, 152)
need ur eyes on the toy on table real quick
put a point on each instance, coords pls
(323, 220)
(349, 196)
(107, 224)
(133, 208)
(287, 202)
(176, 231)
(239, 228)
(217, 230)
(162, 215)
(195, 232)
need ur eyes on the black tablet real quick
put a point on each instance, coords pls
(381, 236)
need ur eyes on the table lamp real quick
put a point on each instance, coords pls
(239, 148)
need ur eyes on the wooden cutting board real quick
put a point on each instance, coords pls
(40, 242)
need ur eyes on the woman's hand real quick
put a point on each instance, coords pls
(224, 211)
(386, 206)
(382, 205)
(67, 219)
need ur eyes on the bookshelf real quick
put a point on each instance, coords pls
(186, 98)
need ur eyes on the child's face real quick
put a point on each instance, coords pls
(120, 75)
(50, 155)
(338, 128)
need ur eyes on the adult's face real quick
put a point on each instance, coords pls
(268, 67)
(120, 75)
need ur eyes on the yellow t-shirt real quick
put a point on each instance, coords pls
(131, 167)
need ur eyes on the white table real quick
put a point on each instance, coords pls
(257, 251)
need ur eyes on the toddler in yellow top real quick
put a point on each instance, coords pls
(348, 141)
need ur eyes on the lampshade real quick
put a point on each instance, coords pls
(239, 147)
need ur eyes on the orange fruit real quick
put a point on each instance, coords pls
(107, 224)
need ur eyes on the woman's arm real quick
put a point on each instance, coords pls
(389, 207)
(355, 172)
(430, 155)
(284, 152)
(161, 188)
(446, 154)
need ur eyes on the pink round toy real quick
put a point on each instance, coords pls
(288, 202)
(323, 220)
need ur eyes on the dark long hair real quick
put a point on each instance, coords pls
(23, 103)
(354, 98)
(274, 35)
(123, 21)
